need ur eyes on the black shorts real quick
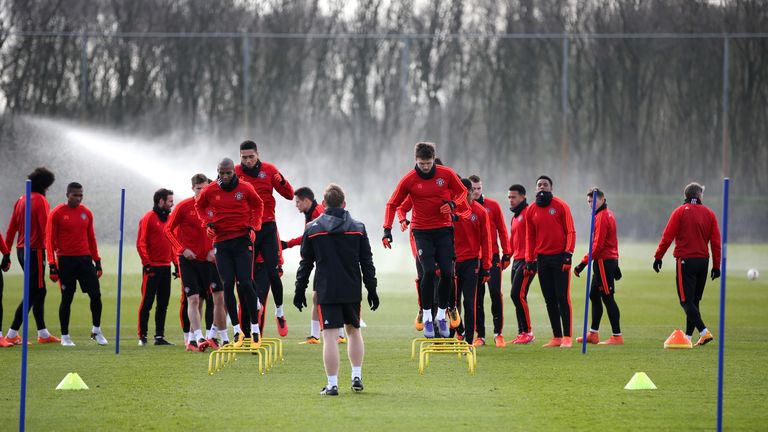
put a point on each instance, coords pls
(337, 315)
(603, 274)
(73, 269)
(198, 277)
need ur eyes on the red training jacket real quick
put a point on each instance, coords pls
(232, 213)
(472, 236)
(549, 230)
(605, 244)
(4, 249)
(39, 217)
(692, 227)
(185, 231)
(498, 226)
(428, 196)
(264, 183)
(151, 242)
(70, 233)
(314, 213)
(517, 233)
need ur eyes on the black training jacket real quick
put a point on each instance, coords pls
(340, 247)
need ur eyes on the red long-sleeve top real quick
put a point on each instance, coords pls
(693, 227)
(185, 231)
(549, 230)
(314, 212)
(4, 249)
(402, 214)
(472, 236)
(232, 213)
(39, 218)
(517, 233)
(428, 195)
(70, 233)
(264, 183)
(605, 243)
(151, 241)
(498, 225)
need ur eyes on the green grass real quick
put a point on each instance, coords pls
(518, 387)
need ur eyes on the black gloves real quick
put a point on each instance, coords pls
(54, 272)
(386, 239)
(175, 273)
(373, 299)
(567, 261)
(283, 244)
(657, 265)
(579, 268)
(505, 261)
(299, 299)
(484, 275)
(5, 265)
(530, 268)
(99, 271)
(715, 273)
(617, 273)
(147, 269)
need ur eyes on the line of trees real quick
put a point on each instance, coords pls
(643, 114)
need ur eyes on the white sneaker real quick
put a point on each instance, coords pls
(99, 338)
(66, 341)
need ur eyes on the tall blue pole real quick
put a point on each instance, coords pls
(589, 274)
(721, 345)
(119, 271)
(25, 322)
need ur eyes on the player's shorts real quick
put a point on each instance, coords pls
(73, 269)
(337, 315)
(603, 272)
(198, 277)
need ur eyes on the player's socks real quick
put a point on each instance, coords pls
(198, 335)
(315, 329)
(255, 328)
(703, 332)
(427, 315)
(357, 372)
(186, 337)
(279, 311)
(689, 337)
(1, 334)
(440, 314)
(12, 334)
(43, 333)
(224, 336)
(333, 380)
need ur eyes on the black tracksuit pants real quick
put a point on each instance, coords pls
(156, 283)
(521, 283)
(234, 261)
(497, 300)
(601, 291)
(73, 270)
(691, 277)
(37, 289)
(556, 289)
(435, 246)
(466, 287)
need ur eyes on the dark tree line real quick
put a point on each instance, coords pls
(644, 114)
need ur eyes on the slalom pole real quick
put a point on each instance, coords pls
(721, 345)
(119, 271)
(25, 321)
(589, 274)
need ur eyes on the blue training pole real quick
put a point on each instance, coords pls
(721, 345)
(119, 271)
(589, 274)
(25, 322)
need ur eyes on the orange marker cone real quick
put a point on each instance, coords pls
(677, 340)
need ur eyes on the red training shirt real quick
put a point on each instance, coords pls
(517, 233)
(39, 218)
(185, 231)
(4, 249)
(264, 183)
(549, 230)
(70, 233)
(232, 213)
(692, 227)
(498, 226)
(314, 212)
(472, 236)
(605, 244)
(151, 242)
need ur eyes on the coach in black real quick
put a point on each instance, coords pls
(340, 247)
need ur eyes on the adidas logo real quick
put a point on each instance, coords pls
(326, 322)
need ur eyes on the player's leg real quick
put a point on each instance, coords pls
(479, 308)
(563, 292)
(89, 283)
(225, 268)
(518, 299)
(702, 267)
(355, 347)
(163, 275)
(497, 301)
(445, 258)
(68, 286)
(687, 276)
(2, 339)
(331, 319)
(607, 271)
(426, 249)
(547, 279)
(148, 291)
(466, 273)
(271, 252)
(191, 278)
(243, 260)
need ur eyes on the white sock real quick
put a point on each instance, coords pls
(617, 334)
(186, 338)
(342, 333)
(211, 333)
(427, 315)
(593, 330)
(440, 314)
(13, 333)
(703, 332)
(223, 335)
(198, 335)
(314, 329)
(357, 372)
(279, 311)
(333, 380)
(43, 333)
(495, 335)
(1, 333)
(689, 337)
(96, 330)
(255, 328)
(236, 328)
(65, 337)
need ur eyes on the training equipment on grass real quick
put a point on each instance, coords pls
(72, 381)
(753, 274)
(677, 340)
(640, 381)
(270, 351)
(589, 273)
(429, 346)
(721, 344)
(119, 271)
(25, 322)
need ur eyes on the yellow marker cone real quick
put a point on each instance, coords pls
(640, 381)
(677, 340)
(72, 382)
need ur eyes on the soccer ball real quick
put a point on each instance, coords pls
(753, 274)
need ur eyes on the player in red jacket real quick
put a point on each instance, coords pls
(231, 209)
(436, 191)
(265, 178)
(5, 265)
(472, 236)
(550, 239)
(694, 229)
(197, 269)
(521, 279)
(605, 270)
(156, 254)
(73, 257)
(41, 179)
(498, 229)
(311, 209)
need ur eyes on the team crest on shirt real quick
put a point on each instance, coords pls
(262, 175)
(440, 182)
(420, 252)
(210, 213)
(239, 196)
(66, 217)
(473, 218)
(83, 216)
(520, 218)
(552, 211)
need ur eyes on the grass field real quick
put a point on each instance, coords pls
(518, 387)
